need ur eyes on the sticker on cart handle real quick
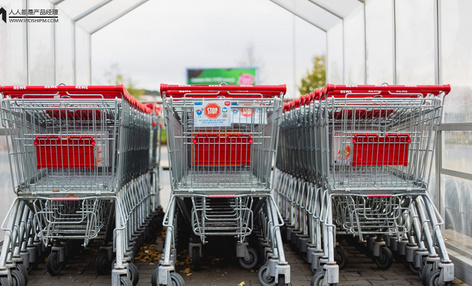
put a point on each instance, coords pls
(211, 114)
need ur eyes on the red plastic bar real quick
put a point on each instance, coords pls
(361, 91)
(211, 149)
(222, 196)
(75, 152)
(373, 150)
(222, 90)
(379, 196)
(75, 92)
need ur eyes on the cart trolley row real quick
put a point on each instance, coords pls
(354, 162)
(221, 144)
(84, 165)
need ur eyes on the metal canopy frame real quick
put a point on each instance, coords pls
(86, 14)
(324, 14)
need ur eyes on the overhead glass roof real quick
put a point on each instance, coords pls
(323, 14)
(92, 15)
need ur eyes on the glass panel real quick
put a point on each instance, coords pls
(415, 41)
(456, 58)
(457, 151)
(107, 13)
(40, 48)
(82, 45)
(64, 51)
(340, 7)
(335, 57)
(379, 38)
(13, 48)
(6, 187)
(458, 212)
(76, 8)
(309, 42)
(310, 12)
(355, 54)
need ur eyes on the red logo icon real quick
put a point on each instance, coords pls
(212, 110)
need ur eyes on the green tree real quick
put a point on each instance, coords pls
(114, 76)
(315, 78)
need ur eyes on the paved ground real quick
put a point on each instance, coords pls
(221, 268)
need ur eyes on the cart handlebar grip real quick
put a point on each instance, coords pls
(361, 91)
(73, 92)
(191, 91)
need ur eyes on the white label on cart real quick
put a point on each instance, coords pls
(248, 115)
(342, 149)
(212, 113)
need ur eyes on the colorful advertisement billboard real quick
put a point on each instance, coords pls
(214, 76)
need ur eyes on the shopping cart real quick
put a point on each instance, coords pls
(221, 142)
(363, 156)
(83, 162)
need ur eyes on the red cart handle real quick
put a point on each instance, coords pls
(193, 91)
(389, 91)
(75, 92)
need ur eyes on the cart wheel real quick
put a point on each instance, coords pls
(32, 266)
(22, 268)
(251, 261)
(340, 256)
(154, 277)
(196, 259)
(133, 273)
(281, 280)
(102, 263)
(4, 281)
(425, 271)
(17, 278)
(283, 233)
(53, 264)
(317, 279)
(176, 279)
(125, 281)
(413, 268)
(397, 256)
(433, 279)
(264, 277)
(385, 259)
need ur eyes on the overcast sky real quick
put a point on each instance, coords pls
(156, 42)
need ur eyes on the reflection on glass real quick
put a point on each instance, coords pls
(457, 151)
(415, 41)
(334, 61)
(458, 212)
(354, 43)
(379, 38)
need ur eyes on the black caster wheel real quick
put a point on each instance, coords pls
(264, 277)
(23, 270)
(54, 265)
(340, 256)
(103, 263)
(17, 278)
(425, 272)
(125, 281)
(412, 267)
(196, 259)
(433, 279)
(317, 279)
(154, 277)
(251, 261)
(385, 259)
(176, 279)
(134, 273)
